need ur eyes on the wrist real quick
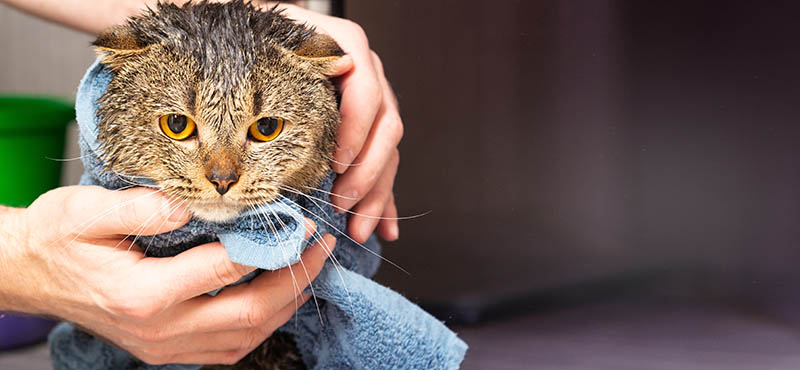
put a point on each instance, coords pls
(13, 254)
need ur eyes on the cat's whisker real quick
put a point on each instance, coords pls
(68, 159)
(303, 265)
(354, 164)
(336, 264)
(85, 225)
(344, 233)
(139, 230)
(126, 187)
(131, 179)
(295, 191)
(169, 236)
(295, 284)
(330, 193)
(173, 205)
(318, 238)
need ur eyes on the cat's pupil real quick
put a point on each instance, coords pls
(267, 126)
(176, 123)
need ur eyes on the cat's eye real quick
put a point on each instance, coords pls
(177, 126)
(266, 129)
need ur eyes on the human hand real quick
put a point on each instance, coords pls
(371, 128)
(70, 258)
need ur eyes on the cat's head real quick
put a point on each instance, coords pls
(222, 105)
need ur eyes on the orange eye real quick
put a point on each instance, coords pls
(177, 126)
(266, 129)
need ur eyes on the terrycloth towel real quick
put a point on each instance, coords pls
(364, 325)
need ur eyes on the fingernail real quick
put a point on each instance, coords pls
(311, 227)
(344, 157)
(331, 243)
(346, 201)
(395, 231)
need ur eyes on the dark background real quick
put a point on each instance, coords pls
(583, 148)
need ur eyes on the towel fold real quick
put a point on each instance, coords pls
(358, 323)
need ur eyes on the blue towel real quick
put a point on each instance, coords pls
(363, 325)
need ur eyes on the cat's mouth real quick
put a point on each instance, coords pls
(221, 209)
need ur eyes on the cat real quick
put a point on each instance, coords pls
(223, 106)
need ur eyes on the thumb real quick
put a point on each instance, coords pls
(196, 271)
(101, 212)
(340, 66)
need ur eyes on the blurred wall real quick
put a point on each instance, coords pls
(42, 58)
(566, 141)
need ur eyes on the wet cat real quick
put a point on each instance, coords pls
(224, 107)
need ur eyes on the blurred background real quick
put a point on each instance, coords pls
(613, 184)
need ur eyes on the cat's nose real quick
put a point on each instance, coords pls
(223, 182)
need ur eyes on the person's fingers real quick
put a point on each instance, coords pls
(91, 210)
(251, 304)
(366, 214)
(356, 182)
(196, 271)
(361, 100)
(340, 66)
(300, 275)
(388, 228)
(386, 133)
(191, 273)
(227, 346)
(231, 340)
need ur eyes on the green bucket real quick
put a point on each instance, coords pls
(32, 135)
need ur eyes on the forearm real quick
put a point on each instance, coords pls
(88, 16)
(12, 255)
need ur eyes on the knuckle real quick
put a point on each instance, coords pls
(138, 332)
(376, 61)
(396, 157)
(148, 335)
(357, 30)
(133, 309)
(125, 216)
(253, 315)
(254, 338)
(143, 335)
(376, 91)
(72, 200)
(397, 130)
(71, 203)
(361, 187)
(227, 272)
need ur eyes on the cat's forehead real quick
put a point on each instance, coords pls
(225, 41)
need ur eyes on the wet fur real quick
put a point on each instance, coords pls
(225, 66)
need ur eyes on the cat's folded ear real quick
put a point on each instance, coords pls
(117, 43)
(322, 50)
